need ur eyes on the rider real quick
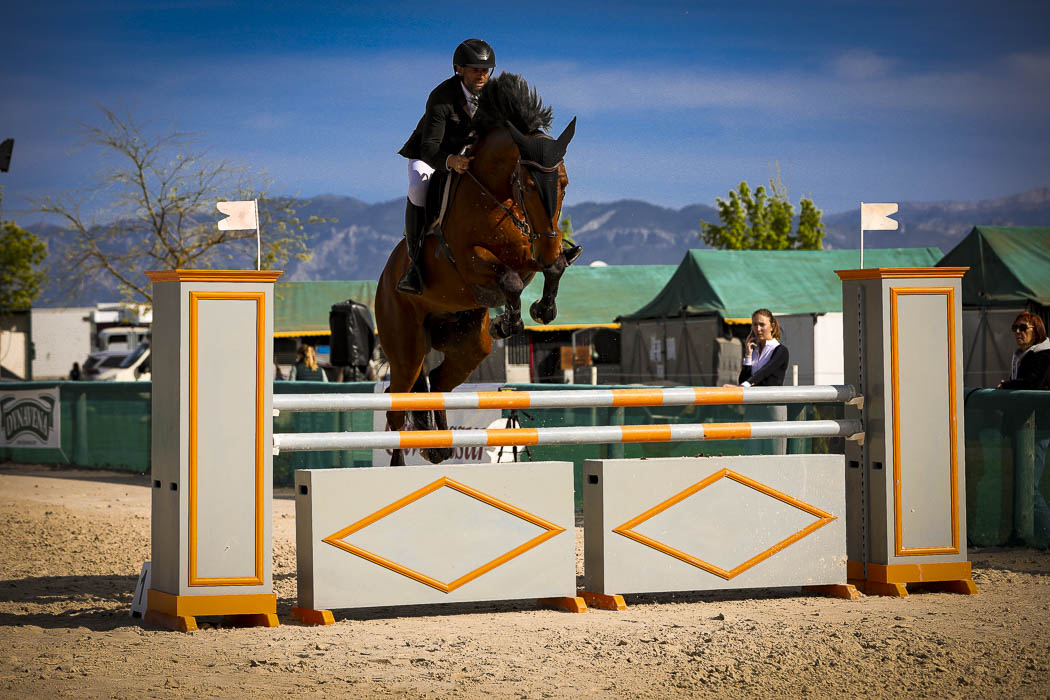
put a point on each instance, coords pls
(437, 143)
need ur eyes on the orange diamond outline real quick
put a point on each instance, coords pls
(823, 518)
(336, 538)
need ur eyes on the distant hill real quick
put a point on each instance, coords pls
(622, 232)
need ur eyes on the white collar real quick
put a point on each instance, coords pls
(1035, 347)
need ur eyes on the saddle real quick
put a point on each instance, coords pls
(436, 207)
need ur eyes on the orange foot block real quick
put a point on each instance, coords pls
(603, 601)
(573, 604)
(309, 616)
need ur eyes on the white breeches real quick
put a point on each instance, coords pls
(418, 181)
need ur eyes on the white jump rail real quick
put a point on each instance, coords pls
(588, 435)
(585, 398)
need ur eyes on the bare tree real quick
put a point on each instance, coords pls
(161, 212)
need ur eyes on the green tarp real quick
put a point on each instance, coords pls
(591, 296)
(733, 283)
(1009, 265)
(301, 308)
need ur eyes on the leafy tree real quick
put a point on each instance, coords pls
(164, 215)
(20, 255)
(566, 230)
(762, 221)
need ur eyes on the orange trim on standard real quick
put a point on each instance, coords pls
(512, 436)
(504, 399)
(646, 433)
(337, 539)
(260, 417)
(240, 276)
(719, 396)
(919, 573)
(898, 524)
(727, 431)
(823, 518)
(236, 604)
(881, 273)
(417, 402)
(421, 439)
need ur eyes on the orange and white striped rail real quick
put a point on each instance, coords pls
(584, 398)
(587, 435)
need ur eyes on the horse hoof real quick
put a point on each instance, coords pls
(541, 315)
(436, 455)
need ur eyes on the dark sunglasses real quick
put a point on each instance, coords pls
(1020, 327)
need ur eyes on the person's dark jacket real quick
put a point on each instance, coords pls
(444, 129)
(769, 374)
(305, 374)
(1033, 370)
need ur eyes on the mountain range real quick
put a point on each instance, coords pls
(355, 245)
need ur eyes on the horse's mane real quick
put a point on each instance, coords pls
(507, 97)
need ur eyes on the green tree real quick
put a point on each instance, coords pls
(163, 215)
(21, 254)
(566, 230)
(762, 221)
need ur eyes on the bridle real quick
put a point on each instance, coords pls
(517, 186)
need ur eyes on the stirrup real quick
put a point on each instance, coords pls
(411, 282)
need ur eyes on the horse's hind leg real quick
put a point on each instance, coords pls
(465, 342)
(404, 342)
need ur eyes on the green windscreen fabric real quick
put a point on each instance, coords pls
(734, 283)
(590, 296)
(301, 308)
(1009, 265)
(1007, 482)
(105, 425)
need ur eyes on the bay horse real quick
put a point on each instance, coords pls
(499, 230)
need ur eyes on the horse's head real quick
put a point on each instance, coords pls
(540, 182)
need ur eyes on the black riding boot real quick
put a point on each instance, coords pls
(571, 253)
(412, 281)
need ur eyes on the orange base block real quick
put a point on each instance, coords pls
(573, 604)
(188, 623)
(603, 601)
(896, 590)
(894, 579)
(309, 616)
(836, 590)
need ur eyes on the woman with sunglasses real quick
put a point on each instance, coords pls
(1031, 360)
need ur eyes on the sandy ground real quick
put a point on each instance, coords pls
(72, 542)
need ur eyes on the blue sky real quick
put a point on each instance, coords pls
(677, 101)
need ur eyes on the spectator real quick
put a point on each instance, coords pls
(305, 368)
(1029, 369)
(74, 374)
(766, 358)
(278, 375)
(1031, 360)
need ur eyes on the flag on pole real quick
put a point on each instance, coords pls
(876, 217)
(241, 215)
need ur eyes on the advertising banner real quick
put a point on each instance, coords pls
(31, 418)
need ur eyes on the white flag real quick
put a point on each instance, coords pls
(876, 217)
(242, 215)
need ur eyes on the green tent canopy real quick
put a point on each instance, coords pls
(1009, 265)
(595, 296)
(733, 283)
(301, 308)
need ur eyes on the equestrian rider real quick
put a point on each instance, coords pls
(437, 143)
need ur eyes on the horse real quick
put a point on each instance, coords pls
(499, 230)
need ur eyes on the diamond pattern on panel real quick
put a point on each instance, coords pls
(627, 529)
(337, 539)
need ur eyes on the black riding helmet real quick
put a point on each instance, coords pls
(474, 53)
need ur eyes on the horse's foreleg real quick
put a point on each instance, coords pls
(545, 308)
(509, 322)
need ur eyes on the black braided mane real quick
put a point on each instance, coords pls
(508, 97)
